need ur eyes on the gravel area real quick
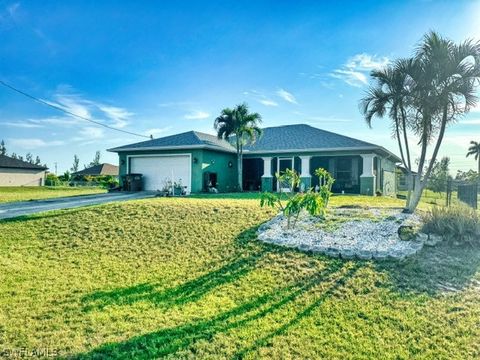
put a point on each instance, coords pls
(360, 233)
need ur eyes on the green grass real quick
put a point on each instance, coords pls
(185, 278)
(25, 193)
(335, 200)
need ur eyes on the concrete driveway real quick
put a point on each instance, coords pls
(14, 209)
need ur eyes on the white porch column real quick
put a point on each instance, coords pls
(305, 166)
(305, 176)
(267, 167)
(367, 179)
(267, 178)
(368, 165)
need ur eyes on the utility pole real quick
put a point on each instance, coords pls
(55, 168)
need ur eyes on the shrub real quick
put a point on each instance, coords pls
(51, 180)
(314, 203)
(457, 224)
(65, 177)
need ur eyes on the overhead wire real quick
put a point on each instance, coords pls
(59, 108)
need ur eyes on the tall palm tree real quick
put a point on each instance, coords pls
(433, 88)
(389, 96)
(241, 127)
(444, 82)
(474, 150)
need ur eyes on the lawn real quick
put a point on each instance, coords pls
(185, 278)
(25, 193)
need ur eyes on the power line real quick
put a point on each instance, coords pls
(43, 102)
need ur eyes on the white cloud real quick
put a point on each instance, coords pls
(470, 122)
(366, 62)
(60, 121)
(67, 99)
(460, 140)
(118, 115)
(287, 96)
(34, 143)
(90, 133)
(260, 97)
(197, 115)
(268, 102)
(72, 103)
(351, 77)
(355, 71)
(23, 124)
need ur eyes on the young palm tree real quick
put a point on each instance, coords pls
(240, 126)
(474, 150)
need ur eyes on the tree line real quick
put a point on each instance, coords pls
(28, 157)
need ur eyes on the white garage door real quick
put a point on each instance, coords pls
(157, 170)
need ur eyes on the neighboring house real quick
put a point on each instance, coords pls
(98, 170)
(14, 172)
(201, 160)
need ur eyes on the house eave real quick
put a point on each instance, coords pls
(323, 150)
(162, 148)
(24, 168)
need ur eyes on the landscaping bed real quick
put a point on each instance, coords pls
(348, 233)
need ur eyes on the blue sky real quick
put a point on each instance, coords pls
(166, 67)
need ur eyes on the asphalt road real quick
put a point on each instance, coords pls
(14, 209)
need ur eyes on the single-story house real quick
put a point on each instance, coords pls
(15, 172)
(201, 160)
(98, 170)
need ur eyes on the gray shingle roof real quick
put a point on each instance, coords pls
(303, 137)
(186, 139)
(9, 162)
(102, 169)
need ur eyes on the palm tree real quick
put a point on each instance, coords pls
(444, 82)
(474, 150)
(424, 94)
(240, 126)
(390, 95)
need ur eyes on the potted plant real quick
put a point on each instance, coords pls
(178, 188)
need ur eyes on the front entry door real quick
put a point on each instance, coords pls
(284, 164)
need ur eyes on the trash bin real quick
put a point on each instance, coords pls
(133, 182)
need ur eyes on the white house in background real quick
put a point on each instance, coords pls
(14, 172)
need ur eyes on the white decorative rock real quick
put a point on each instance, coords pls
(364, 239)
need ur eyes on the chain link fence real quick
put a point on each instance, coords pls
(465, 192)
(445, 193)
